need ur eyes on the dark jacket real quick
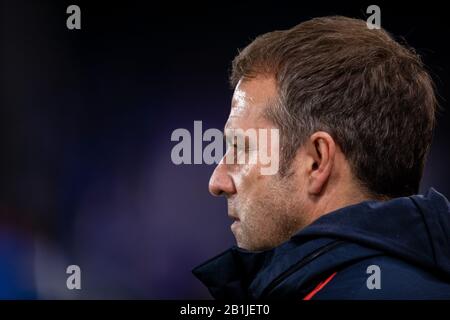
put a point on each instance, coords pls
(407, 239)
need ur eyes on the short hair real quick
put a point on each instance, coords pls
(372, 94)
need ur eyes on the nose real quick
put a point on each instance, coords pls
(221, 183)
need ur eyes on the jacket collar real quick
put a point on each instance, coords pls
(238, 274)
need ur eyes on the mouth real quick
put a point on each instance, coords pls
(234, 227)
(235, 223)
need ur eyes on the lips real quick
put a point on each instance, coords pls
(236, 223)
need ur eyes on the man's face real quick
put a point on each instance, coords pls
(265, 208)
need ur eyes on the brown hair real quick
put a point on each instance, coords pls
(370, 93)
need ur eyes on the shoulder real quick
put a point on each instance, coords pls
(384, 277)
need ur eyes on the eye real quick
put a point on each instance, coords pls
(240, 147)
(236, 144)
(231, 143)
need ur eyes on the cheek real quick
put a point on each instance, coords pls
(255, 198)
(245, 177)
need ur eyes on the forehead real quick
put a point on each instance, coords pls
(250, 99)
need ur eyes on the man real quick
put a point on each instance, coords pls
(340, 219)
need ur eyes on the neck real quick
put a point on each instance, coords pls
(332, 201)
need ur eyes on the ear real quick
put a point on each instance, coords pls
(320, 154)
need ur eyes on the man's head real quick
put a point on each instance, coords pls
(355, 111)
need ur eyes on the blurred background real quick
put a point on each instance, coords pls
(86, 176)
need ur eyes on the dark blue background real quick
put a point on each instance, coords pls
(86, 118)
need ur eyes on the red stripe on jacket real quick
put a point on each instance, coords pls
(319, 287)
